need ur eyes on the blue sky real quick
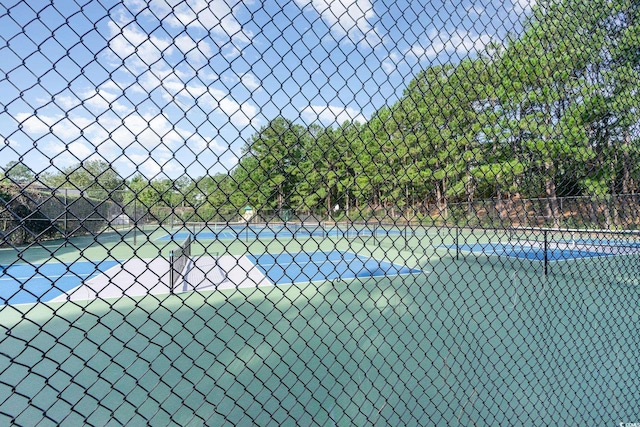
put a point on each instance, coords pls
(167, 88)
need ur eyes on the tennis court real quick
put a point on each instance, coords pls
(320, 213)
(578, 253)
(311, 267)
(96, 276)
(270, 231)
(29, 283)
(532, 252)
(362, 349)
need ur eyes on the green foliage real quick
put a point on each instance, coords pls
(97, 176)
(551, 112)
(18, 172)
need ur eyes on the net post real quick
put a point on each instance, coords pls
(410, 234)
(66, 218)
(546, 255)
(171, 272)
(457, 243)
(374, 231)
(135, 221)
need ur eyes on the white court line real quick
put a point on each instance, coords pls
(42, 276)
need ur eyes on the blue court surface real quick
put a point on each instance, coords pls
(231, 232)
(529, 252)
(26, 283)
(299, 267)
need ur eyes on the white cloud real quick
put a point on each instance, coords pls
(149, 80)
(220, 101)
(69, 129)
(232, 162)
(207, 75)
(8, 142)
(205, 48)
(186, 95)
(146, 165)
(231, 51)
(151, 164)
(68, 154)
(195, 52)
(458, 42)
(250, 81)
(523, 6)
(171, 86)
(213, 16)
(67, 101)
(108, 149)
(346, 17)
(147, 130)
(396, 60)
(147, 142)
(35, 125)
(330, 114)
(80, 150)
(185, 43)
(388, 67)
(61, 127)
(131, 44)
(104, 98)
(135, 5)
(198, 143)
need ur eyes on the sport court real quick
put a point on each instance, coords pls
(311, 267)
(556, 245)
(250, 231)
(327, 331)
(57, 282)
(28, 283)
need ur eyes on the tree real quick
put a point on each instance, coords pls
(312, 190)
(97, 177)
(431, 136)
(541, 100)
(277, 148)
(18, 172)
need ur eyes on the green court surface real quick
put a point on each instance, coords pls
(473, 340)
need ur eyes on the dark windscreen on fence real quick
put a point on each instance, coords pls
(339, 212)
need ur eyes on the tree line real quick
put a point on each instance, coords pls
(552, 112)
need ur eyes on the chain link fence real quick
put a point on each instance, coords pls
(345, 212)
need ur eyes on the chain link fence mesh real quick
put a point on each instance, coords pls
(339, 212)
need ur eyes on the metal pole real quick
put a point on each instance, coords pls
(171, 272)
(457, 244)
(135, 220)
(66, 218)
(546, 257)
(410, 234)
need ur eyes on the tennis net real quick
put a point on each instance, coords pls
(215, 227)
(179, 262)
(605, 241)
(306, 228)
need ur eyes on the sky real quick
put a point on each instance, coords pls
(167, 88)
